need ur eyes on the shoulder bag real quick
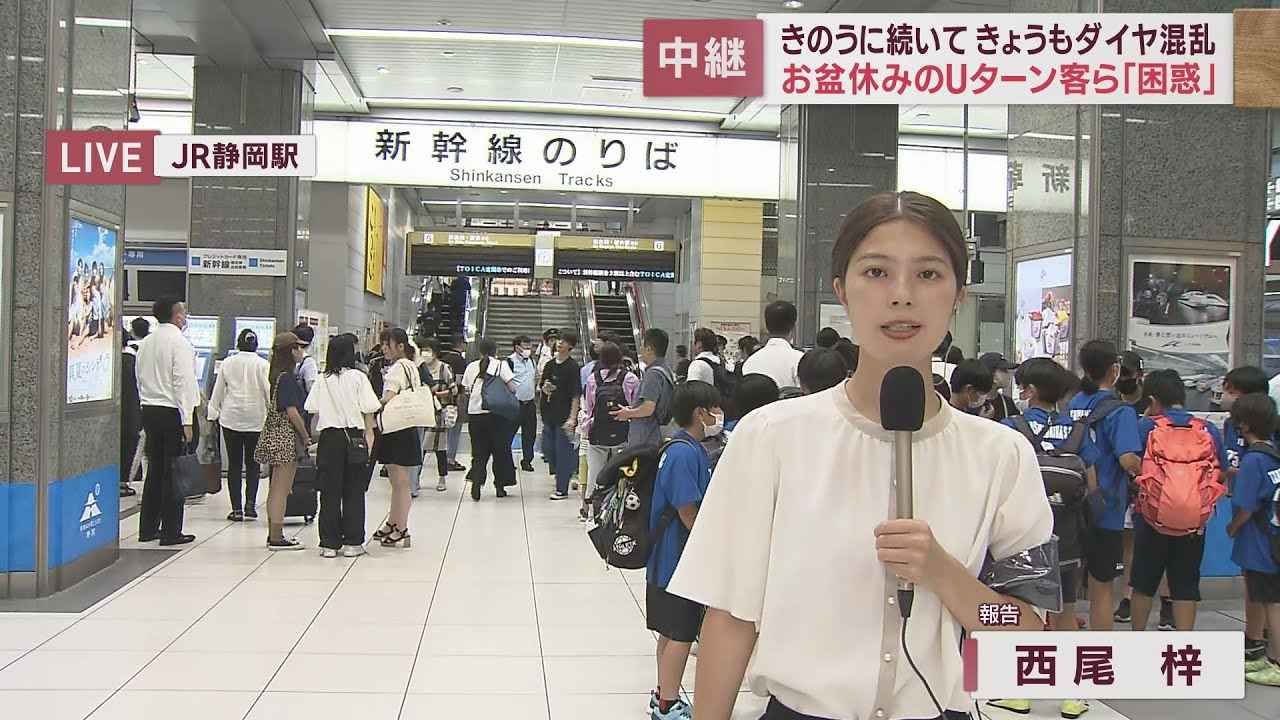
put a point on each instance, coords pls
(357, 448)
(495, 396)
(411, 407)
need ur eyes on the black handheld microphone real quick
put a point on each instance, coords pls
(902, 413)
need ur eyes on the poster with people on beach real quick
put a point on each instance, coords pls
(91, 312)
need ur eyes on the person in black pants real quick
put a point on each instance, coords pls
(525, 370)
(490, 434)
(162, 505)
(343, 404)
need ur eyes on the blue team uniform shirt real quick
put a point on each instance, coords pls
(1255, 488)
(1182, 417)
(1057, 436)
(1114, 436)
(684, 474)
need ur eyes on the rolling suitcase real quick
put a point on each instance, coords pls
(302, 499)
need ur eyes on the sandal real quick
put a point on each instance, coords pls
(236, 516)
(398, 537)
(385, 531)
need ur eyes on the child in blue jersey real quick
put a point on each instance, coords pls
(1242, 381)
(1257, 486)
(1114, 430)
(684, 474)
(1156, 554)
(1042, 383)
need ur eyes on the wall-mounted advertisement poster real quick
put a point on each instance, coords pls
(1179, 318)
(91, 312)
(375, 242)
(1042, 326)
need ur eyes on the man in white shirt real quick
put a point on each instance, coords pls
(777, 358)
(308, 370)
(169, 394)
(705, 359)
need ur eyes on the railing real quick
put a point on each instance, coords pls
(638, 306)
(477, 315)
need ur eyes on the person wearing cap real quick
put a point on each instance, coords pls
(1002, 405)
(308, 370)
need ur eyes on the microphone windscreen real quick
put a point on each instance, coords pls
(902, 400)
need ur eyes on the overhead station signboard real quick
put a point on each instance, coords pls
(470, 253)
(616, 258)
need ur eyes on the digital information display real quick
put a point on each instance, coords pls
(616, 265)
(491, 261)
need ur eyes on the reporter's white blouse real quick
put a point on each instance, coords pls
(785, 539)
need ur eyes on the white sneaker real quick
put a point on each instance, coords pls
(441, 486)
(328, 552)
(558, 496)
(352, 550)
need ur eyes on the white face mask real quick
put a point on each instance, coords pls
(716, 428)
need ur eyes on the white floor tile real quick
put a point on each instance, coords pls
(208, 671)
(568, 641)
(303, 565)
(593, 604)
(506, 707)
(342, 638)
(458, 603)
(326, 706)
(592, 707)
(168, 704)
(48, 670)
(51, 704)
(343, 673)
(244, 609)
(478, 676)
(93, 633)
(8, 656)
(240, 637)
(587, 675)
(23, 631)
(496, 640)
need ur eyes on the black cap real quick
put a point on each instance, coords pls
(996, 361)
(305, 334)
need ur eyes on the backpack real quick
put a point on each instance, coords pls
(1270, 521)
(726, 384)
(621, 507)
(1066, 483)
(605, 430)
(1181, 478)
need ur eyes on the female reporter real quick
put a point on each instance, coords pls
(796, 553)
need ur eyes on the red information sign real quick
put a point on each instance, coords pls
(709, 58)
(100, 157)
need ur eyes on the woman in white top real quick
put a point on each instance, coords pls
(445, 386)
(343, 404)
(239, 404)
(490, 434)
(400, 451)
(795, 550)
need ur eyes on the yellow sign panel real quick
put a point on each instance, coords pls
(375, 243)
(470, 238)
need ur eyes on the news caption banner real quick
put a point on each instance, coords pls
(142, 157)
(1201, 665)
(1169, 58)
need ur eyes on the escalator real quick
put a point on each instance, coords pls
(613, 316)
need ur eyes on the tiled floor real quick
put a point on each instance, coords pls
(499, 610)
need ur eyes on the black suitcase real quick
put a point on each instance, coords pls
(302, 499)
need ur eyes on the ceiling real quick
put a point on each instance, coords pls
(579, 57)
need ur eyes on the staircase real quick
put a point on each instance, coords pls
(613, 316)
(512, 316)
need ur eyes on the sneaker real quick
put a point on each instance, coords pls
(1252, 666)
(584, 514)
(526, 466)
(1268, 675)
(352, 550)
(285, 544)
(1166, 615)
(1021, 707)
(653, 701)
(680, 710)
(1072, 709)
(559, 496)
(457, 467)
(328, 552)
(441, 486)
(1123, 613)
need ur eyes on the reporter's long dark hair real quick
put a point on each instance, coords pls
(341, 355)
(1097, 357)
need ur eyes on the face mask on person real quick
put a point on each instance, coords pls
(715, 428)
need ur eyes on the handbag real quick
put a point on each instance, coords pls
(278, 443)
(357, 447)
(496, 397)
(410, 408)
(190, 476)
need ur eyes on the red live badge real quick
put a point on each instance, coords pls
(703, 58)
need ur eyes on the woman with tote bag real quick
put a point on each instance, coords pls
(399, 449)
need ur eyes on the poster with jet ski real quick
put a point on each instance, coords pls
(1180, 319)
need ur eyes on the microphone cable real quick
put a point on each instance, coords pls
(905, 599)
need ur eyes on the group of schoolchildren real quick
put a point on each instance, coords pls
(1125, 453)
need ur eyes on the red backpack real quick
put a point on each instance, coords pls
(1181, 477)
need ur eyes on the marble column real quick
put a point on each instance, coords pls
(59, 471)
(1113, 183)
(833, 158)
(257, 213)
